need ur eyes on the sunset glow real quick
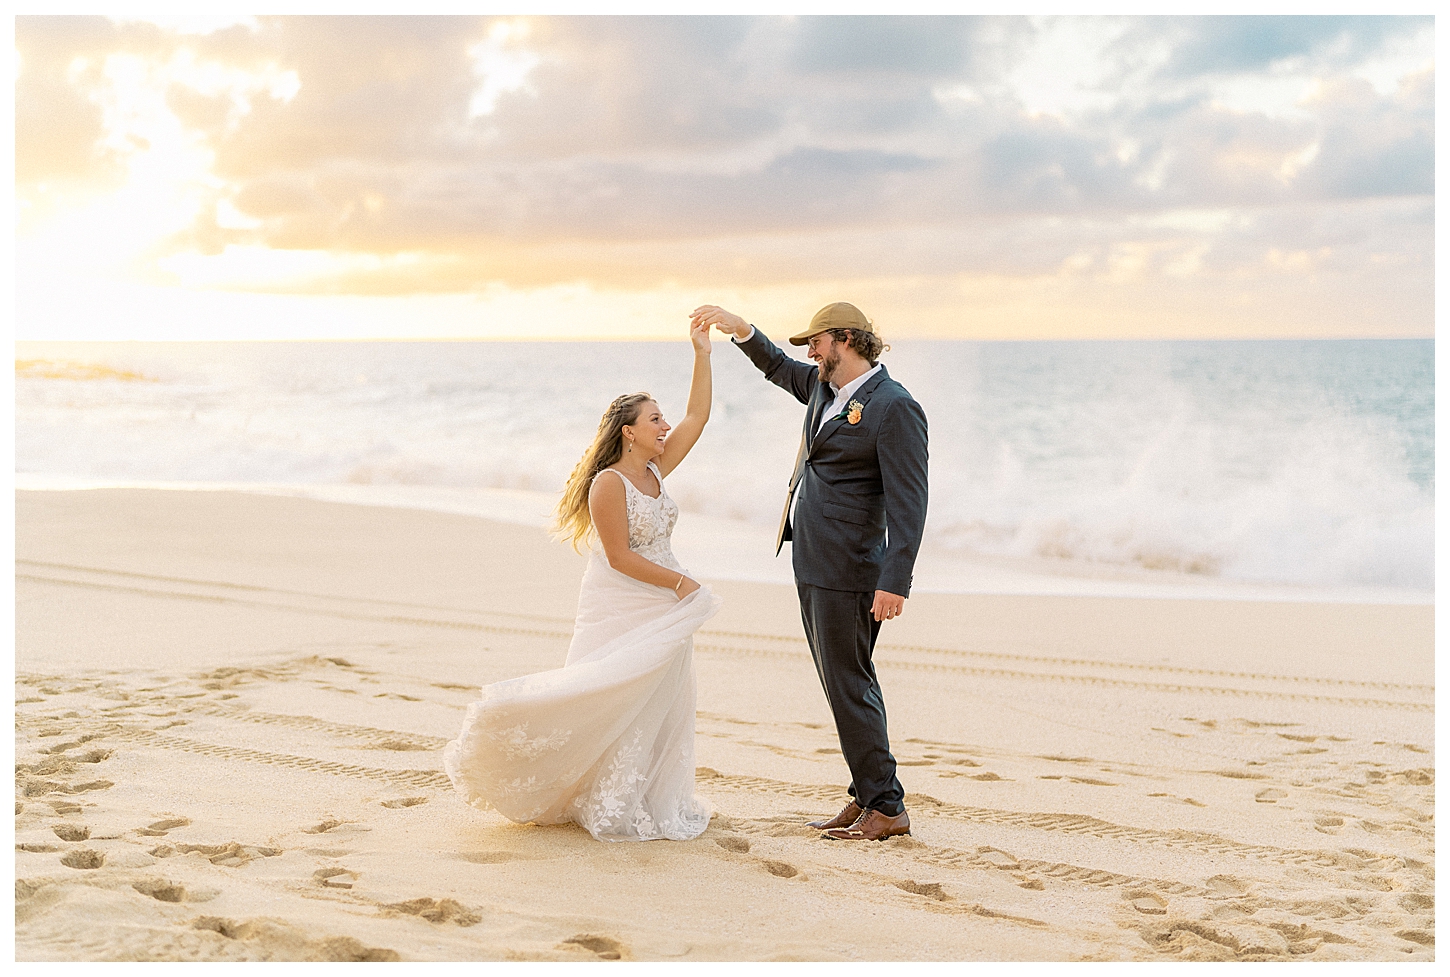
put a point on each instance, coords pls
(598, 177)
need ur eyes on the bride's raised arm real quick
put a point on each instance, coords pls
(697, 412)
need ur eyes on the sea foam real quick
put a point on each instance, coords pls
(1307, 463)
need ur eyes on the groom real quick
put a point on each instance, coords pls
(859, 489)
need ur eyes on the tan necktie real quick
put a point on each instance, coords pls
(795, 479)
(795, 476)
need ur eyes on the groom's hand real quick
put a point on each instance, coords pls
(887, 606)
(726, 322)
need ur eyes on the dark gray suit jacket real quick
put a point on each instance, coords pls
(861, 487)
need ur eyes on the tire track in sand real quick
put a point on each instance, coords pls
(1184, 840)
(370, 734)
(1098, 680)
(543, 626)
(434, 779)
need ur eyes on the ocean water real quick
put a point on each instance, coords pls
(1279, 462)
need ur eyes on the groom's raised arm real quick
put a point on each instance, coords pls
(790, 374)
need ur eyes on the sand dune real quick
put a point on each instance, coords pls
(230, 712)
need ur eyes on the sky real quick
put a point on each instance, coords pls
(599, 177)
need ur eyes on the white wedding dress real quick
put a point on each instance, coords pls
(607, 741)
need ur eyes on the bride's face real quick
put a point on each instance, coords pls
(648, 431)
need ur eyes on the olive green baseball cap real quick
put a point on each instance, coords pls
(837, 315)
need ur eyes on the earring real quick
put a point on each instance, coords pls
(631, 445)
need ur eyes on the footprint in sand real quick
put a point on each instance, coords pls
(932, 890)
(998, 859)
(231, 855)
(335, 878)
(780, 870)
(1417, 903)
(160, 890)
(435, 911)
(35, 787)
(1232, 911)
(1422, 937)
(158, 829)
(606, 947)
(1270, 796)
(290, 944)
(1227, 885)
(403, 802)
(1149, 903)
(733, 843)
(85, 858)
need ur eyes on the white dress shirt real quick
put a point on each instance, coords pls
(843, 394)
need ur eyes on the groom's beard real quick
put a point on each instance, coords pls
(828, 365)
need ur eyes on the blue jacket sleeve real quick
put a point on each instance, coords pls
(901, 452)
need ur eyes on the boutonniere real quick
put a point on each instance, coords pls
(853, 412)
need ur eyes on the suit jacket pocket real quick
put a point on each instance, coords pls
(845, 513)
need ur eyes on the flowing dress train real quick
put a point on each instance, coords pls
(608, 740)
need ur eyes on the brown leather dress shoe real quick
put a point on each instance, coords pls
(872, 825)
(845, 819)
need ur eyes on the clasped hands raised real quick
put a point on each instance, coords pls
(727, 322)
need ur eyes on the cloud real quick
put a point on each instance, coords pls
(929, 46)
(448, 153)
(58, 130)
(1232, 44)
(1373, 146)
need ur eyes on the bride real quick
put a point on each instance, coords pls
(608, 741)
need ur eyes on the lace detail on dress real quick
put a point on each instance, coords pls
(616, 792)
(651, 521)
(608, 740)
(516, 741)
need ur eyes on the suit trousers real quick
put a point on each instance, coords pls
(842, 634)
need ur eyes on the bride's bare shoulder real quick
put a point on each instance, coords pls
(607, 488)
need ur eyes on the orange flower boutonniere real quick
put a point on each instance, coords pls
(853, 412)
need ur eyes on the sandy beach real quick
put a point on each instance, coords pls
(231, 710)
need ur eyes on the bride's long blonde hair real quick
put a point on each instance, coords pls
(572, 523)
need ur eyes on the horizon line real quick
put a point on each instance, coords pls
(657, 339)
